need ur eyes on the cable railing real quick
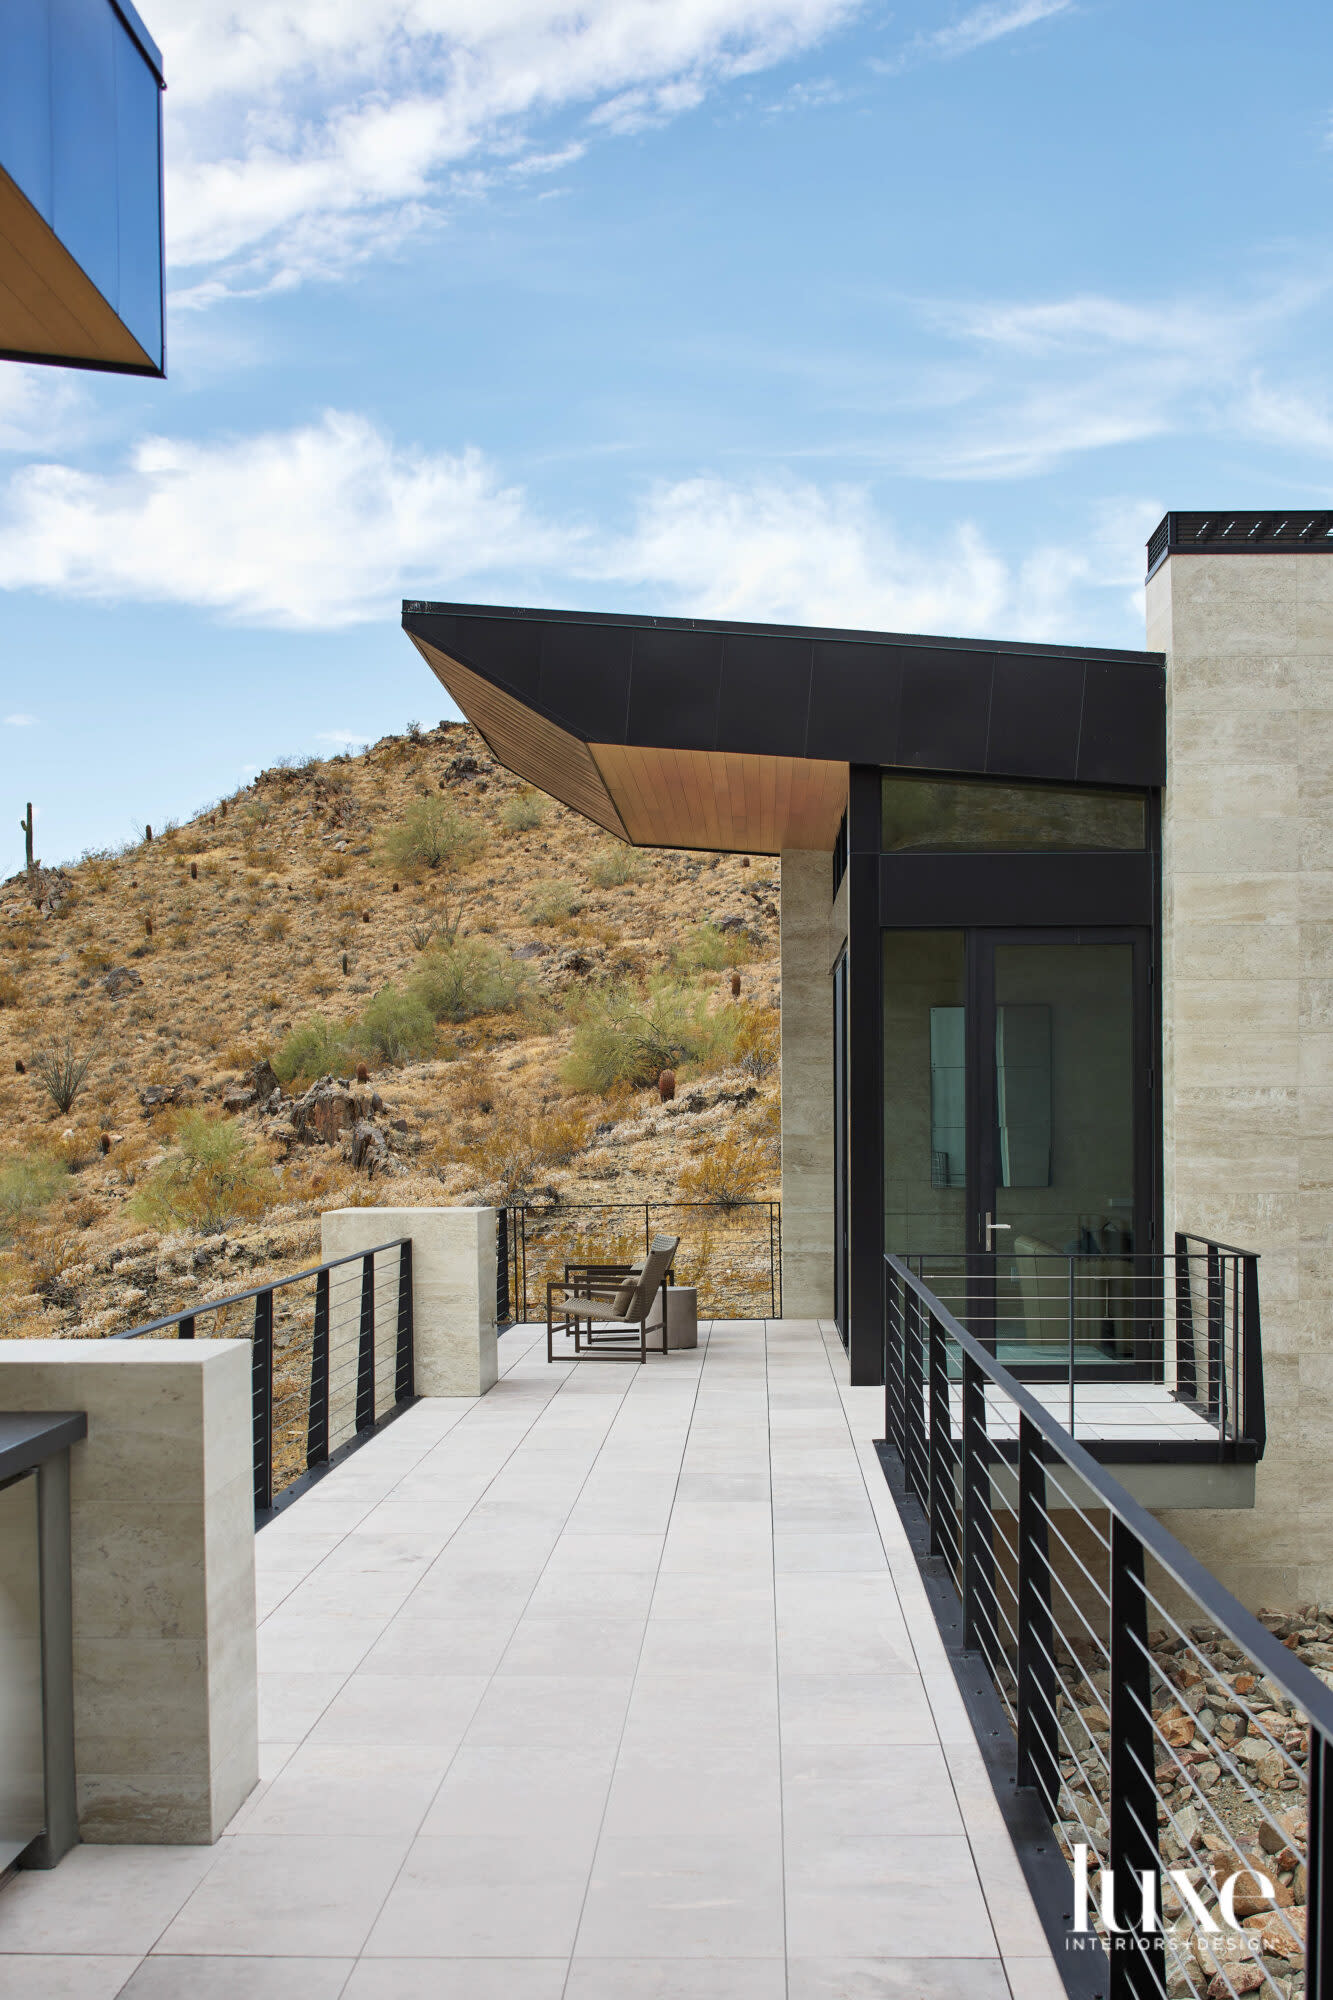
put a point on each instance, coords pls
(1177, 1749)
(730, 1251)
(1091, 1320)
(332, 1359)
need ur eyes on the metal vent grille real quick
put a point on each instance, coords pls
(1274, 533)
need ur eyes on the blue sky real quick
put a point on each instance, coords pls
(914, 318)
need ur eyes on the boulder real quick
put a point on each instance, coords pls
(328, 1109)
(120, 979)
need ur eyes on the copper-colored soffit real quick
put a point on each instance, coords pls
(721, 801)
(49, 307)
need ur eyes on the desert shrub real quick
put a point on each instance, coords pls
(213, 1175)
(28, 1184)
(396, 1026)
(523, 812)
(562, 1133)
(613, 864)
(49, 1248)
(729, 1171)
(756, 1044)
(276, 926)
(708, 949)
(467, 979)
(431, 834)
(621, 1037)
(62, 1071)
(11, 992)
(552, 903)
(317, 1047)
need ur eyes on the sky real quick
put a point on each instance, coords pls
(915, 318)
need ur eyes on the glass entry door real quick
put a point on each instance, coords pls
(1016, 1099)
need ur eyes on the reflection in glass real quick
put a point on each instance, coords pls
(981, 815)
(924, 1091)
(1064, 1097)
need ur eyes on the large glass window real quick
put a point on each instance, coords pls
(979, 816)
(925, 1091)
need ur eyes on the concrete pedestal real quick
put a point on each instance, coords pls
(453, 1288)
(162, 1575)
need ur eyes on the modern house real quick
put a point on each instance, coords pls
(81, 271)
(1057, 965)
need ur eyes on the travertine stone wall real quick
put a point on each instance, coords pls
(453, 1293)
(1248, 1008)
(162, 1534)
(807, 1086)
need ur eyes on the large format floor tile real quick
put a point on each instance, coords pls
(617, 1684)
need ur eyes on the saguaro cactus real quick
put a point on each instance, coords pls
(26, 825)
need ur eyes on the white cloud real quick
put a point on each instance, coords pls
(20, 722)
(39, 408)
(989, 23)
(346, 739)
(308, 134)
(330, 525)
(317, 527)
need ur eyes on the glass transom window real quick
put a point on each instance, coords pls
(981, 816)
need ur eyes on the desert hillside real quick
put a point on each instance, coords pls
(399, 977)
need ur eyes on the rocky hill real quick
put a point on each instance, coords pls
(399, 977)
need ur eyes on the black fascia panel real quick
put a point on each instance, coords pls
(1124, 724)
(765, 695)
(675, 680)
(921, 703)
(945, 716)
(585, 679)
(855, 697)
(1036, 710)
(1014, 891)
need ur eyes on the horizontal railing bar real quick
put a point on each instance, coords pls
(1240, 1625)
(256, 1291)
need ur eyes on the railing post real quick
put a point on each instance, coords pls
(1319, 1869)
(1136, 1968)
(365, 1354)
(502, 1267)
(1254, 1417)
(1187, 1378)
(1038, 1762)
(914, 1415)
(317, 1421)
(404, 1382)
(1214, 1334)
(261, 1392)
(185, 1327)
(940, 1461)
(978, 1550)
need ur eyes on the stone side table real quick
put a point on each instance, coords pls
(682, 1315)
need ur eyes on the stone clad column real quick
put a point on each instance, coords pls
(807, 1086)
(453, 1291)
(1247, 988)
(162, 1538)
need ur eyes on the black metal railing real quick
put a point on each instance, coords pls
(1095, 1319)
(330, 1365)
(1274, 533)
(730, 1251)
(1175, 1746)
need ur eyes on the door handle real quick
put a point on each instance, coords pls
(990, 1227)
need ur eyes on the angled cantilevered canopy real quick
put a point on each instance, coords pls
(677, 732)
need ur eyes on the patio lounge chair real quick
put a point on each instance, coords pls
(615, 1299)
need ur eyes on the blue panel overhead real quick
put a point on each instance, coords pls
(80, 137)
(25, 98)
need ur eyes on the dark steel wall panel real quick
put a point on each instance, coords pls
(1009, 891)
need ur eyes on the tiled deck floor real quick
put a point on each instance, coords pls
(618, 1683)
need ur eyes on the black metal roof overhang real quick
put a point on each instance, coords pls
(580, 703)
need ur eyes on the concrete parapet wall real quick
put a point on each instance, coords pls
(807, 1086)
(453, 1291)
(163, 1577)
(1247, 988)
